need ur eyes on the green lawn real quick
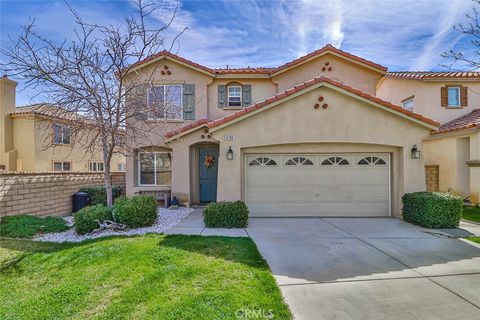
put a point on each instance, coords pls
(144, 277)
(471, 213)
(474, 239)
(23, 226)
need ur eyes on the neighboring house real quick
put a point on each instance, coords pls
(453, 99)
(323, 135)
(34, 139)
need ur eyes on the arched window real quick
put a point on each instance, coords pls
(335, 161)
(371, 161)
(262, 161)
(299, 161)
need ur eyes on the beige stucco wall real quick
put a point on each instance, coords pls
(475, 171)
(427, 96)
(261, 89)
(347, 125)
(7, 105)
(24, 141)
(343, 70)
(450, 152)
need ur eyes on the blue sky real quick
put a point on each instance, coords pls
(402, 35)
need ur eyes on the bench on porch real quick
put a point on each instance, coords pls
(160, 195)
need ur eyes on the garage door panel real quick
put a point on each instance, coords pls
(319, 190)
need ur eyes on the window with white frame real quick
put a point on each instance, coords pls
(62, 166)
(95, 166)
(165, 102)
(154, 169)
(121, 167)
(408, 104)
(235, 96)
(453, 96)
(61, 134)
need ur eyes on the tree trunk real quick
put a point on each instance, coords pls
(108, 184)
(106, 172)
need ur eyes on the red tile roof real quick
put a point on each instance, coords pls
(420, 75)
(297, 88)
(248, 70)
(189, 126)
(260, 70)
(49, 111)
(168, 54)
(331, 48)
(468, 121)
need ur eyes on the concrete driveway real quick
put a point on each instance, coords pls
(361, 268)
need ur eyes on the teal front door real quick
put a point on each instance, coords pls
(208, 173)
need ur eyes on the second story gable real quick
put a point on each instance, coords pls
(180, 90)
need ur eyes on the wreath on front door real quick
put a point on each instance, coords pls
(209, 160)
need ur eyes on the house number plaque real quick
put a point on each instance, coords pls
(229, 137)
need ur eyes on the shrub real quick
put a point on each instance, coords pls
(432, 209)
(23, 226)
(84, 219)
(98, 194)
(135, 212)
(226, 215)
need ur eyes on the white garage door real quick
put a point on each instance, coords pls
(318, 185)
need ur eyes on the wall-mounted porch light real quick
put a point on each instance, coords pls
(415, 152)
(230, 153)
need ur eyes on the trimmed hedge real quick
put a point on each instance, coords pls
(432, 209)
(135, 212)
(84, 219)
(226, 215)
(98, 194)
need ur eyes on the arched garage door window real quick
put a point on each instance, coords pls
(262, 161)
(335, 161)
(371, 161)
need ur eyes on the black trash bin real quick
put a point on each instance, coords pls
(79, 200)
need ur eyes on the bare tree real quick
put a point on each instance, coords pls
(88, 81)
(471, 29)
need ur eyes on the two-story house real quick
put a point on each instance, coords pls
(328, 134)
(36, 138)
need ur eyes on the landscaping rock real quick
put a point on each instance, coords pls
(166, 219)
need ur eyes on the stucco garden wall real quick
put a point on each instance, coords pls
(45, 194)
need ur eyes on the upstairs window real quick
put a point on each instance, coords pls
(95, 166)
(235, 96)
(165, 102)
(453, 96)
(408, 104)
(61, 134)
(61, 166)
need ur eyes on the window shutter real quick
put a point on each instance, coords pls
(444, 96)
(222, 96)
(464, 96)
(246, 95)
(189, 102)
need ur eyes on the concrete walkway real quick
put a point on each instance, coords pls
(193, 225)
(363, 268)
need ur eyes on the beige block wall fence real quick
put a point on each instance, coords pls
(46, 194)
